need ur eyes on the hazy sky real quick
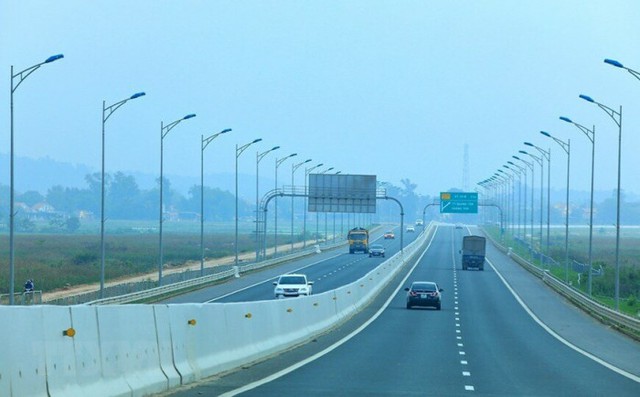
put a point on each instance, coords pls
(390, 88)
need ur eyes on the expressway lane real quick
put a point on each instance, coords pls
(327, 275)
(328, 270)
(482, 342)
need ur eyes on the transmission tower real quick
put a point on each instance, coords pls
(465, 169)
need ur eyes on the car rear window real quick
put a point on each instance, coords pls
(423, 287)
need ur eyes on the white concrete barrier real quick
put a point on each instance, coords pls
(22, 352)
(136, 350)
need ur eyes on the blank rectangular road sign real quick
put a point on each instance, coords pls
(342, 193)
(458, 202)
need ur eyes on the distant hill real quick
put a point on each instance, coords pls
(43, 173)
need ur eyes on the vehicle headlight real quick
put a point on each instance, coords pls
(279, 289)
(304, 289)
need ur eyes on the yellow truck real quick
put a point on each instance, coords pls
(358, 240)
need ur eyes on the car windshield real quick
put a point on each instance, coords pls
(292, 280)
(358, 237)
(376, 246)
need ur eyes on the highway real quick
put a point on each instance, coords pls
(500, 333)
(328, 270)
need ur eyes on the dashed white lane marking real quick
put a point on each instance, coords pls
(460, 344)
(464, 362)
(466, 373)
(469, 388)
(462, 353)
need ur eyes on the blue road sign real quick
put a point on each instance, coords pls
(458, 203)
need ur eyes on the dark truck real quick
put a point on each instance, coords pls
(473, 251)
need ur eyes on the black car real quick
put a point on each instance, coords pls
(376, 250)
(423, 293)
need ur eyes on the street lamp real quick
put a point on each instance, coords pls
(538, 159)
(619, 65)
(294, 167)
(547, 155)
(275, 222)
(164, 130)
(307, 171)
(566, 146)
(203, 145)
(239, 151)
(19, 76)
(259, 157)
(591, 135)
(325, 214)
(509, 196)
(616, 116)
(530, 165)
(521, 171)
(107, 111)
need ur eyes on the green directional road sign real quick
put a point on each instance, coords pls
(458, 203)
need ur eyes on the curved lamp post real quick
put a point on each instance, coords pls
(530, 165)
(538, 159)
(325, 214)
(566, 146)
(164, 130)
(239, 151)
(547, 155)
(510, 193)
(19, 77)
(307, 171)
(259, 157)
(107, 111)
(616, 116)
(294, 167)
(621, 66)
(591, 135)
(275, 221)
(521, 171)
(204, 142)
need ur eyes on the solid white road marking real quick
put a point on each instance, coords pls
(557, 336)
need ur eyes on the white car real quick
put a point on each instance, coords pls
(292, 285)
(419, 222)
(411, 229)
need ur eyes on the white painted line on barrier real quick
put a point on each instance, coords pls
(339, 343)
(560, 338)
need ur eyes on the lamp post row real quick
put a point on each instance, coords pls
(616, 116)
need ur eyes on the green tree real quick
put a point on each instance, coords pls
(72, 224)
(30, 198)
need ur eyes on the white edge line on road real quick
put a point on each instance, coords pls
(316, 356)
(560, 338)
